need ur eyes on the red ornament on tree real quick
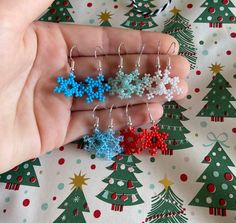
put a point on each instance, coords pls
(123, 197)
(228, 176)
(211, 188)
(207, 159)
(114, 196)
(130, 184)
(114, 166)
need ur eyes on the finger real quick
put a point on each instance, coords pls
(82, 123)
(23, 11)
(88, 38)
(87, 66)
(78, 103)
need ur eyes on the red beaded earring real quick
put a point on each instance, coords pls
(151, 139)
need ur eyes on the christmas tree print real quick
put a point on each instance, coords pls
(75, 204)
(166, 206)
(23, 174)
(218, 192)
(122, 184)
(171, 123)
(138, 21)
(216, 13)
(180, 28)
(218, 106)
(58, 12)
(104, 18)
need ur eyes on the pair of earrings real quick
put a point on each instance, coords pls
(125, 85)
(93, 88)
(105, 144)
(147, 139)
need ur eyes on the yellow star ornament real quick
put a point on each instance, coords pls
(216, 68)
(166, 183)
(175, 11)
(78, 181)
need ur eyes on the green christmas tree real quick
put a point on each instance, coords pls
(218, 106)
(171, 123)
(104, 18)
(216, 13)
(23, 174)
(180, 28)
(122, 184)
(75, 204)
(166, 206)
(58, 12)
(218, 192)
(138, 21)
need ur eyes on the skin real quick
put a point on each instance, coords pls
(33, 120)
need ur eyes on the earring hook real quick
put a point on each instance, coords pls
(71, 59)
(168, 51)
(129, 121)
(111, 125)
(140, 56)
(97, 119)
(150, 115)
(96, 57)
(158, 64)
(121, 66)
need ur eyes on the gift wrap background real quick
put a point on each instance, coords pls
(71, 178)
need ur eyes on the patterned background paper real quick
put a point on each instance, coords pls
(194, 181)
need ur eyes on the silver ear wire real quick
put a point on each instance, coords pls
(97, 120)
(150, 115)
(129, 121)
(158, 64)
(168, 51)
(72, 66)
(121, 65)
(96, 57)
(111, 121)
(138, 65)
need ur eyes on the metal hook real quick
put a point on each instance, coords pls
(96, 57)
(97, 120)
(150, 115)
(168, 51)
(140, 56)
(71, 59)
(111, 125)
(129, 121)
(158, 64)
(121, 65)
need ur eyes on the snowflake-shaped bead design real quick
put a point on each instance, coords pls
(69, 87)
(103, 144)
(125, 85)
(95, 88)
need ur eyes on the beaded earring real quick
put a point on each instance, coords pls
(156, 86)
(69, 86)
(125, 85)
(103, 144)
(151, 139)
(131, 137)
(172, 83)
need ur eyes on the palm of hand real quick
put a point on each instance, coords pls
(33, 119)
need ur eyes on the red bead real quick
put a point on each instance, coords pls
(123, 197)
(114, 196)
(134, 24)
(211, 188)
(207, 159)
(229, 176)
(19, 179)
(32, 179)
(65, 3)
(225, 2)
(220, 18)
(232, 18)
(211, 10)
(141, 24)
(53, 11)
(222, 202)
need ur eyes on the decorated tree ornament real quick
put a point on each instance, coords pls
(138, 21)
(218, 99)
(180, 28)
(218, 192)
(103, 144)
(126, 85)
(166, 206)
(124, 194)
(217, 13)
(24, 174)
(58, 12)
(75, 204)
(171, 123)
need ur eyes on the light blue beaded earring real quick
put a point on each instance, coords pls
(103, 144)
(69, 86)
(95, 88)
(125, 85)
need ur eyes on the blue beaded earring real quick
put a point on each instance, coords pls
(95, 88)
(125, 85)
(69, 86)
(103, 144)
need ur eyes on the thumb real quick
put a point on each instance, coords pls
(22, 12)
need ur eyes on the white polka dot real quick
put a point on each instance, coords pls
(204, 177)
(215, 1)
(49, 18)
(214, 154)
(216, 174)
(28, 173)
(219, 149)
(26, 166)
(208, 200)
(197, 200)
(222, 8)
(209, 18)
(9, 177)
(122, 166)
(140, 4)
(231, 196)
(224, 157)
(131, 14)
(200, 19)
(217, 164)
(226, 14)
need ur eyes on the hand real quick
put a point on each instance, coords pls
(34, 120)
